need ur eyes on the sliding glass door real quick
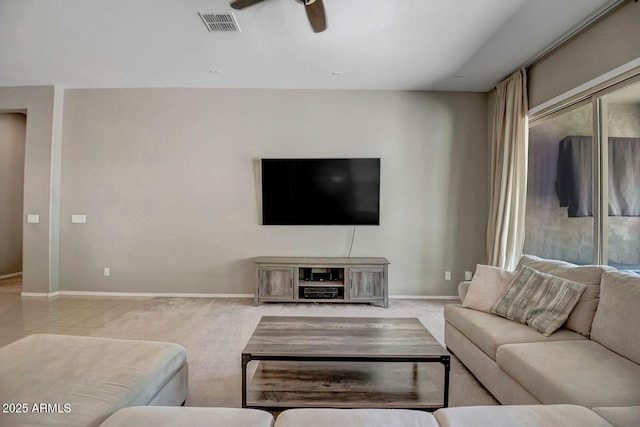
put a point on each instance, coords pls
(620, 151)
(559, 220)
(583, 201)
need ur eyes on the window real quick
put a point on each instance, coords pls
(552, 227)
(583, 197)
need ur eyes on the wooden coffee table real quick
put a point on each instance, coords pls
(345, 362)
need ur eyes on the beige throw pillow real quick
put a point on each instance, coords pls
(540, 300)
(487, 286)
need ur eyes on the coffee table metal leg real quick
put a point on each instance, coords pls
(447, 366)
(245, 361)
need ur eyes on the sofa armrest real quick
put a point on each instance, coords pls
(463, 287)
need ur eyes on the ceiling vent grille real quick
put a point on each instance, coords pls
(219, 21)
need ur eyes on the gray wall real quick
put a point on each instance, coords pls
(167, 180)
(608, 44)
(12, 142)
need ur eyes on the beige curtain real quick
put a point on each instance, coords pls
(508, 173)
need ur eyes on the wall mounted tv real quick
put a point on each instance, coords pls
(321, 191)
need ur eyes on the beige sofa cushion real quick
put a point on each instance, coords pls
(325, 417)
(95, 376)
(170, 416)
(519, 415)
(577, 372)
(617, 321)
(488, 331)
(489, 283)
(626, 416)
(582, 315)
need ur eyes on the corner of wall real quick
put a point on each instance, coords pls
(54, 210)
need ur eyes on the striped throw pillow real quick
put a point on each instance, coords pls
(539, 300)
(517, 302)
(557, 301)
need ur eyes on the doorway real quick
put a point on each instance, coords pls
(12, 160)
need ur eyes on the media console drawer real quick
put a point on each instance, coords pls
(331, 280)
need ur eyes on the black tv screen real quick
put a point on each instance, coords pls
(321, 191)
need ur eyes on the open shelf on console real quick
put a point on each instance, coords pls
(320, 274)
(321, 283)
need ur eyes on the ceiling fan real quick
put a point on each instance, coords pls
(314, 8)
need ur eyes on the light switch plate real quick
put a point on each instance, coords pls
(78, 219)
(33, 219)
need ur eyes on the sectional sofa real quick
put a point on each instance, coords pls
(592, 361)
(488, 416)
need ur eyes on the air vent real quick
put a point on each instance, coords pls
(219, 21)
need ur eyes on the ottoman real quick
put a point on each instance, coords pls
(80, 381)
(158, 416)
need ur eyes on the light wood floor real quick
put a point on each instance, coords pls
(69, 315)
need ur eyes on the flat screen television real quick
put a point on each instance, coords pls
(321, 191)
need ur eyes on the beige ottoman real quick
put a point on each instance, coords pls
(519, 415)
(152, 416)
(80, 381)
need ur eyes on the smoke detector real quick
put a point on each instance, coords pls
(215, 21)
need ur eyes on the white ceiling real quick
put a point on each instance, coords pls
(376, 44)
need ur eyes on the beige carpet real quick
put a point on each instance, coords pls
(214, 332)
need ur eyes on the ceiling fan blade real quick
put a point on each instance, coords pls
(241, 4)
(315, 13)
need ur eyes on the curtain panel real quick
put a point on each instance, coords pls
(508, 173)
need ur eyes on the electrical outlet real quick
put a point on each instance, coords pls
(468, 275)
(447, 275)
(107, 272)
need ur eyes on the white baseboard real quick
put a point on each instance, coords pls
(152, 294)
(188, 295)
(40, 294)
(440, 297)
(9, 276)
